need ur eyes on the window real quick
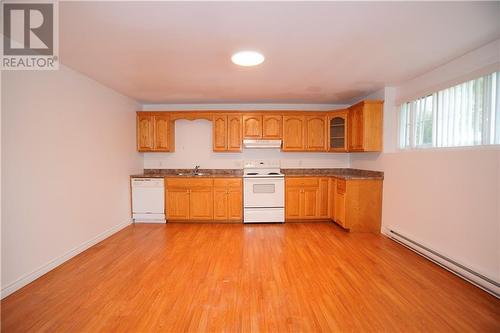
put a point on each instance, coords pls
(467, 114)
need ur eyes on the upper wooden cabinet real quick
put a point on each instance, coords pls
(365, 126)
(252, 126)
(337, 131)
(258, 126)
(226, 131)
(293, 133)
(305, 133)
(316, 132)
(145, 132)
(357, 129)
(271, 126)
(155, 132)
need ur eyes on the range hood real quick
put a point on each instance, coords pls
(260, 144)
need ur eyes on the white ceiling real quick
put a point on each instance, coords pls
(321, 52)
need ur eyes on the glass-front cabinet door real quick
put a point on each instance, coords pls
(337, 131)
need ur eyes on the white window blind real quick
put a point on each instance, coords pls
(467, 114)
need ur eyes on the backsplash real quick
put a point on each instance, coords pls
(193, 146)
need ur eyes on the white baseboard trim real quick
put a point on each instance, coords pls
(487, 284)
(30, 277)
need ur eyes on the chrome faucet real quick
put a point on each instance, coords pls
(196, 168)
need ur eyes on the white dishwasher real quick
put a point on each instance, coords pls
(148, 200)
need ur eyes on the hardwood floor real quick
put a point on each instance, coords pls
(248, 278)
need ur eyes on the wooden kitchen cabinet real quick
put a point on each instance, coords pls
(155, 132)
(200, 203)
(358, 204)
(356, 129)
(316, 132)
(293, 133)
(204, 199)
(219, 133)
(177, 203)
(340, 202)
(323, 210)
(305, 133)
(252, 126)
(226, 133)
(365, 126)
(337, 131)
(145, 132)
(234, 139)
(306, 198)
(189, 199)
(228, 199)
(271, 127)
(259, 126)
(332, 188)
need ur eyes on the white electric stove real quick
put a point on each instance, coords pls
(263, 192)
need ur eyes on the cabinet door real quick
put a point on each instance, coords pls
(219, 130)
(162, 133)
(145, 132)
(292, 202)
(293, 133)
(323, 211)
(356, 128)
(316, 133)
(234, 133)
(201, 204)
(337, 132)
(252, 127)
(333, 190)
(177, 206)
(309, 202)
(340, 203)
(271, 126)
(235, 203)
(220, 203)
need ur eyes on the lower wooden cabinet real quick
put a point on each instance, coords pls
(228, 199)
(357, 204)
(354, 204)
(200, 203)
(306, 198)
(178, 203)
(204, 199)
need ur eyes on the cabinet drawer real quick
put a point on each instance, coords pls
(231, 182)
(341, 185)
(197, 182)
(302, 181)
(188, 182)
(176, 182)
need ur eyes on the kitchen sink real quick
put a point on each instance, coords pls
(191, 174)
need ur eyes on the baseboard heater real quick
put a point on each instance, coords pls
(483, 282)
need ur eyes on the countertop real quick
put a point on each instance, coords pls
(344, 173)
(207, 173)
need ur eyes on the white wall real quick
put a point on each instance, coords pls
(68, 148)
(193, 146)
(446, 199)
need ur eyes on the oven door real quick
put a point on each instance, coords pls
(264, 192)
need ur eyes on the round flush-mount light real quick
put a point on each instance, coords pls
(247, 58)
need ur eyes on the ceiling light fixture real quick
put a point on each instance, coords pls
(247, 58)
